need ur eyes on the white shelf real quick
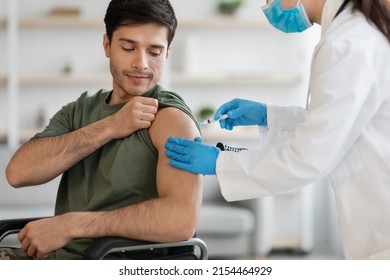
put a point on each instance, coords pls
(80, 21)
(234, 80)
(62, 80)
(65, 21)
(222, 22)
(56, 22)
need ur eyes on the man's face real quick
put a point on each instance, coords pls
(137, 57)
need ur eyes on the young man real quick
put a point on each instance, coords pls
(109, 147)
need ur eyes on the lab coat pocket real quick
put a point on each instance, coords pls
(350, 165)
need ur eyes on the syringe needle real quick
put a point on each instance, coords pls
(211, 120)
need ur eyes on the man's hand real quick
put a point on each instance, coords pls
(136, 114)
(42, 237)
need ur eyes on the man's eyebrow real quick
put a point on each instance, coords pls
(155, 46)
(127, 40)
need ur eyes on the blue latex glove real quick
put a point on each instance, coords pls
(242, 113)
(192, 156)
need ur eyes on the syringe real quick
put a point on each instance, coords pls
(211, 120)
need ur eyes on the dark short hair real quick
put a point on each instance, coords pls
(136, 12)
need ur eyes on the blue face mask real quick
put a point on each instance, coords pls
(290, 20)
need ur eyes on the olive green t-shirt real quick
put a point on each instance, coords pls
(121, 173)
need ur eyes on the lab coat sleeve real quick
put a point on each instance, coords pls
(312, 145)
(282, 122)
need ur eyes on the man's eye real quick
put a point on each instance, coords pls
(155, 53)
(128, 49)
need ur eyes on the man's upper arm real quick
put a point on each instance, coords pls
(184, 186)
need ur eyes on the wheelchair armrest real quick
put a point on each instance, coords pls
(12, 226)
(103, 246)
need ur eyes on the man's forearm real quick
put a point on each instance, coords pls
(41, 160)
(161, 220)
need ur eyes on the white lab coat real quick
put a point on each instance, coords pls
(343, 135)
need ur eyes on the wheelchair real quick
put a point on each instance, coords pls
(191, 249)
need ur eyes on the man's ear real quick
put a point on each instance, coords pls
(106, 45)
(168, 52)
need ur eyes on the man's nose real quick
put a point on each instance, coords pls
(140, 61)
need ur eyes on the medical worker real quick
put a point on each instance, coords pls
(343, 134)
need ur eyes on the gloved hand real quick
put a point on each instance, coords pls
(192, 156)
(241, 113)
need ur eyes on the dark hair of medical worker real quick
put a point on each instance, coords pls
(377, 11)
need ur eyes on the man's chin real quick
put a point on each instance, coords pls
(138, 91)
(135, 91)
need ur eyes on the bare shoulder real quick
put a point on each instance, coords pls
(172, 121)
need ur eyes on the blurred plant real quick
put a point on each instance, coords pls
(229, 6)
(206, 112)
(67, 68)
